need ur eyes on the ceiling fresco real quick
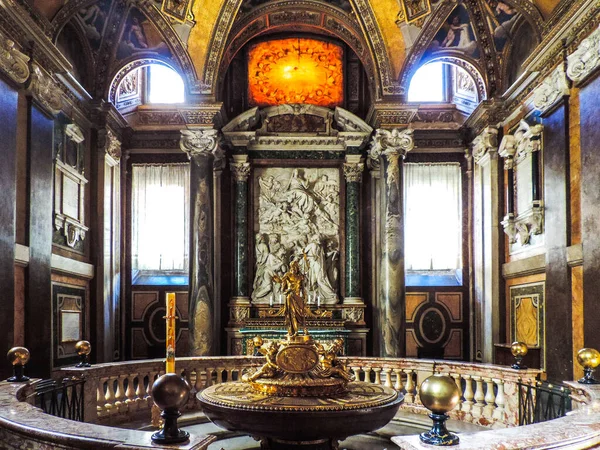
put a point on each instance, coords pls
(193, 34)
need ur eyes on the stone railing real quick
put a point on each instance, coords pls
(117, 392)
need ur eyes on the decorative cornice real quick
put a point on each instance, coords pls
(353, 172)
(45, 90)
(13, 62)
(552, 89)
(386, 142)
(585, 59)
(486, 142)
(240, 170)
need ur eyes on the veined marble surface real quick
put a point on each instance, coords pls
(580, 429)
(23, 426)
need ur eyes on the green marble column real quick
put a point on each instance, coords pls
(353, 172)
(201, 146)
(240, 169)
(392, 146)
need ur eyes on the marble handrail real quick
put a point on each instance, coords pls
(119, 391)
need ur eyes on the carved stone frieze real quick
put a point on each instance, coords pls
(552, 89)
(354, 315)
(486, 142)
(585, 59)
(13, 62)
(45, 90)
(353, 172)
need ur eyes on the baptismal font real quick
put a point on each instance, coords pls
(303, 396)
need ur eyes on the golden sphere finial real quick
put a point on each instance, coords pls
(18, 356)
(519, 349)
(439, 393)
(588, 358)
(83, 348)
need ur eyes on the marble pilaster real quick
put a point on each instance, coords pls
(240, 167)
(353, 169)
(201, 145)
(393, 146)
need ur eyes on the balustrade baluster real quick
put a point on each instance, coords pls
(499, 413)
(410, 386)
(468, 394)
(209, 380)
(140, 390)
(479, 397)
(456, 377)
(387, 375)
(220, 371)
(367, 371)
(489, 398)
(100, 397)
(109, 396)
(151, 378)
(356, 371)
(377, 371)
(119, 393)
(130, 391)
(399, 384)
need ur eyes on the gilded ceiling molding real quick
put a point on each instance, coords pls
(45, 90)
(12, 61)
(306, 15)
(552, 89)
(485, 143)
(585, 59)
(216, 45)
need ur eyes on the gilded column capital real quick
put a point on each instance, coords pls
(110, 143)
(582, 62)
(353, 172)
(45, 90)
(485, 143)
(12, 61)
(553, 88)
(395, 142)
(240, 170)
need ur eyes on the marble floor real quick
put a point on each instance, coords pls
(403, 424)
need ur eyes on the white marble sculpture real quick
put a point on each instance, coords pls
(297, 218)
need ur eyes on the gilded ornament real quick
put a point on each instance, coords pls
(518, 350)
(18, 356)
(589, 359)
(439, 394)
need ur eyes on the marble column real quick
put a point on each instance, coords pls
(240, 168)
(393, 146)
(353, 169)
(201, 145)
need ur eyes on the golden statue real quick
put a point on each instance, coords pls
(292, 285)
(329, 365)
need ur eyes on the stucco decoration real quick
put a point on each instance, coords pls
(45, 90)
(297, 217)
(12, 61)
(585, 59)
(552, 89)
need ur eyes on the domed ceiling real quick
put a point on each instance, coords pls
(200, 37)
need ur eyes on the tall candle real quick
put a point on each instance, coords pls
(271, 300)
(170, 318)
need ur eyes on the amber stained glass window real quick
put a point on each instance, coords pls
(295, 70)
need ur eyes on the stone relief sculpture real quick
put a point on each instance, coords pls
(297, 219)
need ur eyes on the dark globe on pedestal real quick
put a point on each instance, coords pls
(439, 394)
(170, 391)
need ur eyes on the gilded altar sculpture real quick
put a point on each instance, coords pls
(298, 366)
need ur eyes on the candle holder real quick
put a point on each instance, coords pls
(518, 350)
(83, 349)
(170, 392)
(18, 357)
(589, 359)
(439, 394)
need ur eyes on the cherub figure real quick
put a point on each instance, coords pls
(329, 365)
(269, 369)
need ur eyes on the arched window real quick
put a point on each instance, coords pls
(445, 82)
(146, 82)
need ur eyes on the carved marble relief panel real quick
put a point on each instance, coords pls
(297, 217)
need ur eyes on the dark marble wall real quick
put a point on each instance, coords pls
(559, 353)
(8, 130)
(38, 301)
(590, 209)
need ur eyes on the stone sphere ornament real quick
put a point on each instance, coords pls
(18, 357)
(439, 394)
(170, 392)
(518, 350)
(83, 349)
(589, 359)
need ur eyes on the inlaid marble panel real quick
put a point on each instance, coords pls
(527, 311)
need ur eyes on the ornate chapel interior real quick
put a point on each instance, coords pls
(432, 165)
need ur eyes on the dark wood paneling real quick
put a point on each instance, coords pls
(38, 298)
(559, 353)
(8, 152)
(590, 209)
